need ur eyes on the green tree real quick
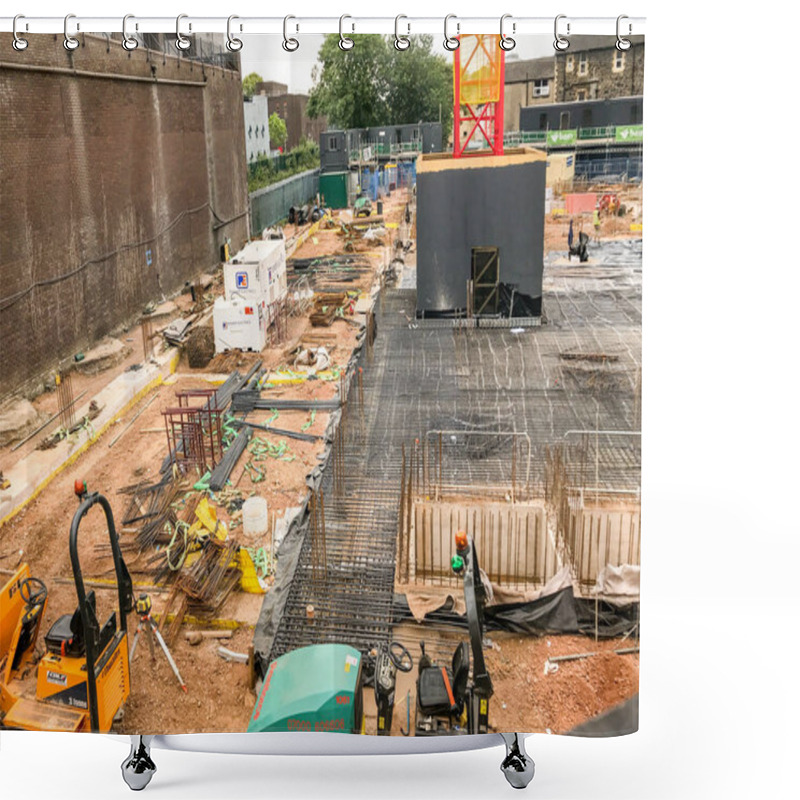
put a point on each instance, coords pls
(352, 86)
(277, 132)
(374, 84)
(249, 84)
(420, 85)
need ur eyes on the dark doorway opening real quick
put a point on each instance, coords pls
(485, 279)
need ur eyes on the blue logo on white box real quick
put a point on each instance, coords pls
(241, 280)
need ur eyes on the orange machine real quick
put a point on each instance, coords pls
(83, 680)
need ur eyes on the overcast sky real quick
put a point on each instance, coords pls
(264, 55)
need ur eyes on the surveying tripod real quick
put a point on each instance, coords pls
(144, 607)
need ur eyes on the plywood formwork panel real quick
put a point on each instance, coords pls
(514, 546)
(600, 536)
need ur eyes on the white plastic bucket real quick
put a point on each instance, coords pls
(254, 516)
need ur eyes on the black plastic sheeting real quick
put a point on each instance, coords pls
(561, 612)
(618, 721)
(523, 304)
(511, 304)
(288, 556)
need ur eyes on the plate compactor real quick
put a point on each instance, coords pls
(83, 679)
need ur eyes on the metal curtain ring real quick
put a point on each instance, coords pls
(401, 42)
(19, 43)
(128, 42)
(450, 42)
(345, 43)
(290, 44)
(233, 44)
(561, 43)
(181, 42)
(70, 42)
(622, 43)
(506, 42)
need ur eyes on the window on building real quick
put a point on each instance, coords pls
(570, 63)
(263, 131)
(542, 122)
(250, 132)
(580, 94)
(619, 61)
(541, 88)
(564, 121)
(586, 118)
(583, 64)
(332, 143)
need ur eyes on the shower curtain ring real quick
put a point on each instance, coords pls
(622, 44)
(506, 42)
(19, 44)
(70, 42)
(451, 42)
(290, 44)
(345, 43)
(181, 42)
(233, 44)
(561, 43)
(128, 41)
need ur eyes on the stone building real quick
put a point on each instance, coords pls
(593, 69)
(528, 83)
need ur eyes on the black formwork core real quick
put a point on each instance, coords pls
(459, 209)
(422, 379)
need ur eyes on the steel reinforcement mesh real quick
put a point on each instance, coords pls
(418, 379)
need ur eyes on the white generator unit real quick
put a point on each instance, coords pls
(257, 272)
(239, 325)
(255, 279)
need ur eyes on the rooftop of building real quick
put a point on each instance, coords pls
(440, 162)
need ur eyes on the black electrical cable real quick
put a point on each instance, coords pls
(7, 302)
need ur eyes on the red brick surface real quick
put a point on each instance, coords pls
(94, 172)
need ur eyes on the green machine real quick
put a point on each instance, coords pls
(363, 206)
(316, 688)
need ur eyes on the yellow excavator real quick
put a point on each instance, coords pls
(83, 679)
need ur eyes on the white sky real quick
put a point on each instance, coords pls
(264, 55)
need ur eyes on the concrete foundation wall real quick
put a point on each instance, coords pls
(121, 174)
(478, 206)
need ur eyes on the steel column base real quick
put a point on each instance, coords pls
(138, 768)
(517, 766)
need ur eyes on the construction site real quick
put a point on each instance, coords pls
(409, 439)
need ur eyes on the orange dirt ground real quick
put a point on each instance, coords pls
(556, 226)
